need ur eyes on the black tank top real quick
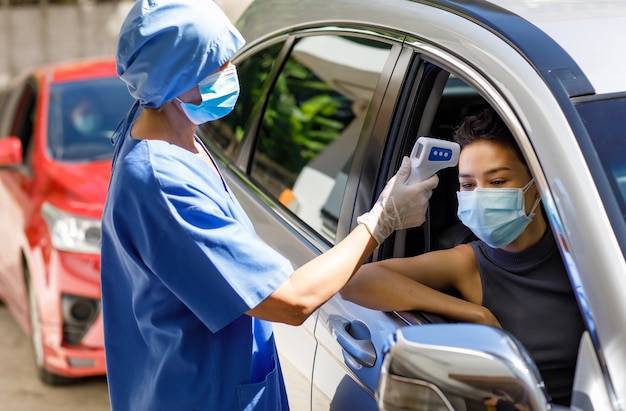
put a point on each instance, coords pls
(529, 292)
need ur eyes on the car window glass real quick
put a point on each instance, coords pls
(22, 127)
(312, 122)
(82, 117)
(602, 118)
(9, 107)
(253, 72)
(3, 99)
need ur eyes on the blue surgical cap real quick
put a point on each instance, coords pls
(166, 47)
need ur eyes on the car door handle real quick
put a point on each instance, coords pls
(355, 339)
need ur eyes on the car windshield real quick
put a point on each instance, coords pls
(83, 115)
(606, 124)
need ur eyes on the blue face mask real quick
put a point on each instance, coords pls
(88, 123)
(495, 215)
(219, 94)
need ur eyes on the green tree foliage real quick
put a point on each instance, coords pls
(304, 115)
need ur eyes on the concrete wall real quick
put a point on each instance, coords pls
(33, 35)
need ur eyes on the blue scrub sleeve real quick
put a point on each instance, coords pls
(195, 237)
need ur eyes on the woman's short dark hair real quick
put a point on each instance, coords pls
(486, 126)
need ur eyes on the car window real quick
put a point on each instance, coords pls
(82, 117)
(312, 123)
(3, 98)
(10, 101)
(602, 118)
(228, 132)
(22, 126)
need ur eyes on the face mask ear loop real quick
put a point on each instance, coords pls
(527, 186)
(537, 201)
(180, 104)
(532, 211)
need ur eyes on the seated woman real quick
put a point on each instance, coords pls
(513, 277)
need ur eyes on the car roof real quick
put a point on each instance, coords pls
(77, 70)
(589, 32)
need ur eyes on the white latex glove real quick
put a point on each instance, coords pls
(399, 206)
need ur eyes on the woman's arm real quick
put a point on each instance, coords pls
(418, 283)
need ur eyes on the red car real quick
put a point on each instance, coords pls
(55, 161)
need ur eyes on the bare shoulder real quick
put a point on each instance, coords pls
(460, 258)
(464, 253)
(467, 280)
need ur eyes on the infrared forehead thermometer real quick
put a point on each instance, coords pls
(430, 155)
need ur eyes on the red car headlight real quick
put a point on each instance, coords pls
(70, 232)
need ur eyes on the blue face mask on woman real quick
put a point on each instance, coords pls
(219, 94)
(495, 215)
(87, 123)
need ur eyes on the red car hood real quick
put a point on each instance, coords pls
(80, 187)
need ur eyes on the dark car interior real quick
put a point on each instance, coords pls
(24, 119)
(453, 101)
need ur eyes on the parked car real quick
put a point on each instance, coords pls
(55, 161)
(335, 92)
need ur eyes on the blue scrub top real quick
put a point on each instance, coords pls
(180, 266)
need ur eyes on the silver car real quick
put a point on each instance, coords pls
(335, 92)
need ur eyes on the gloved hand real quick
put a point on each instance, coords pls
(399, 206)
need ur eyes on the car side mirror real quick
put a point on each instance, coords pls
(10, 151)
(447, 367)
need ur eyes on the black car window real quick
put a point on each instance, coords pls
(605, 122)
(312, 123)
(22, 125)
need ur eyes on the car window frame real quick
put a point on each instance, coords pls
(242, 162)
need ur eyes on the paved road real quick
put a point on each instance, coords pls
(21, 389)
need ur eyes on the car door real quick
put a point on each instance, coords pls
(490, 53)
(439, 86)
(18, 117)
(287, 151)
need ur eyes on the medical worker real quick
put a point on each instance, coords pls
(512, 277)
(188, 290)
